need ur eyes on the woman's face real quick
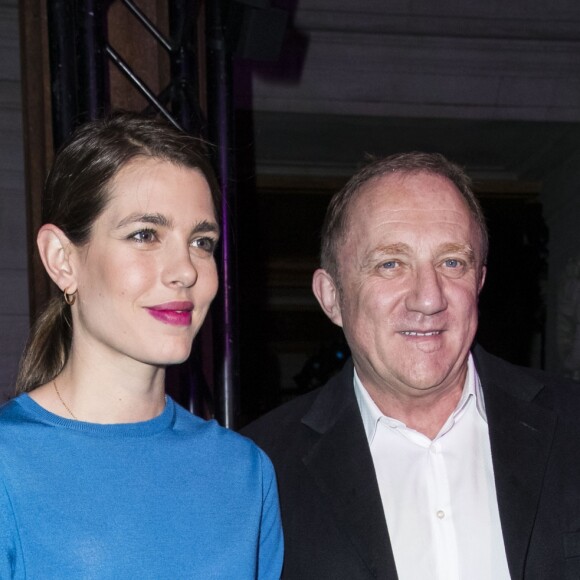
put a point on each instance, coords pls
(147, 276)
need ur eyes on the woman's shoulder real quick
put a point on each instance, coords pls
(18, 429)
(210, 434)
(12, 412)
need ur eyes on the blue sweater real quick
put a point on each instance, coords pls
(170, 498)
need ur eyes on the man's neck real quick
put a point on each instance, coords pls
(426, 413)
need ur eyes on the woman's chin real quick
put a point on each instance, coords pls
(174, 356)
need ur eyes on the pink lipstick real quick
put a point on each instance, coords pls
(173, 313)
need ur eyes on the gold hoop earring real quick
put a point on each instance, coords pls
(70, 298)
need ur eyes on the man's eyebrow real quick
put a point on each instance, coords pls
(398, 248)
(156, 219)
(401, 249)
(464, 249)
(384, 251)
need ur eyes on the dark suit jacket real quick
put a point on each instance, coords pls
(333, 519)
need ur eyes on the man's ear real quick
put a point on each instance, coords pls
(482, 274)
(55, 248)
(326, 293)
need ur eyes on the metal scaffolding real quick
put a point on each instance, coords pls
(81, 55)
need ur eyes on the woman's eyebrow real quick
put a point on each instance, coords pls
(158, 219)
(147, 218)
(205, 226)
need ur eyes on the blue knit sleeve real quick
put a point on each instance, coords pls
(11, 565)
(271, 554)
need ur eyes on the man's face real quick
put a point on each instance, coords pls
(410, 275)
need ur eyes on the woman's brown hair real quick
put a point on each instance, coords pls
(76, 193)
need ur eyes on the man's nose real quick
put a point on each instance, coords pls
(426, 294)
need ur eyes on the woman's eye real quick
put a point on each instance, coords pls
(144, 236)
(206, 244)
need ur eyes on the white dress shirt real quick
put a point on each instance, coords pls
(439, 495)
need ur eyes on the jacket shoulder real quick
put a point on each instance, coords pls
(539, 387)
(296, 423)
(275, 427)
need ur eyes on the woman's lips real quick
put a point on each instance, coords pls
(173, 313)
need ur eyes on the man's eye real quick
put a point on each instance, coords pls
(390, 264)
(452, 263)
(206, 244)
(144, 236)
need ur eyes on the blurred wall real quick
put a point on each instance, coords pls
(13, 240)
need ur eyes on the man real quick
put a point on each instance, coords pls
(422, 458)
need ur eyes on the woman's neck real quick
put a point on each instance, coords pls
(99, 393)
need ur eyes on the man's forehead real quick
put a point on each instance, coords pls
(397, 180)
(414, 208)
(417, 190)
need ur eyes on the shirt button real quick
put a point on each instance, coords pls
(440, 514)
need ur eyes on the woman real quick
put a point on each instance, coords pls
(101, 474)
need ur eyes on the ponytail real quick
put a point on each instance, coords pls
(48, 346)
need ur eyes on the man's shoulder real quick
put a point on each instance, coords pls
(282, 423)
(536, 386)
(304, 415)
(493, 366)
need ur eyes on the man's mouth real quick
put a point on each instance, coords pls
(415, 333)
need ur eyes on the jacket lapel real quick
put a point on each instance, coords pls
(341, 465)
(520, 433)
(521, 436)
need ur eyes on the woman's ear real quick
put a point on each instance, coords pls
(55, 249)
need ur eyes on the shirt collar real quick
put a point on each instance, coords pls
(371, 414)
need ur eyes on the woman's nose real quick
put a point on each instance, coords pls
(180, 268)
